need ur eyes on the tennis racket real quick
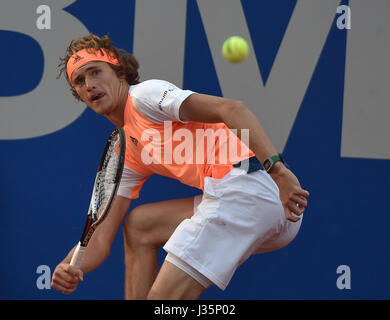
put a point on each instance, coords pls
(106, 184)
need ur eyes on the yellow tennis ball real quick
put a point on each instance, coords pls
(235, 49)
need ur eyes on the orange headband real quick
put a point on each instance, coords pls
(82, 57)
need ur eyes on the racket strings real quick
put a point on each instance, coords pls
(106, 180)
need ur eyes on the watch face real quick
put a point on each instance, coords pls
(267, 164)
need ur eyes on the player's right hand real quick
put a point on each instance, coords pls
(66, 278)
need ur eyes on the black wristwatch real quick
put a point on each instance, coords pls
(269, 163)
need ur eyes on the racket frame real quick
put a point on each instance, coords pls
(92, 222)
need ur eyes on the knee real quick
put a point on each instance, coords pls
(135, 230)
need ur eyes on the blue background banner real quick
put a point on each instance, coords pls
(46, 178)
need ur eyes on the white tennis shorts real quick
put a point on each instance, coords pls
(235, 217)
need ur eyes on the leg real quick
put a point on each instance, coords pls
(145, 229)
(173, 283)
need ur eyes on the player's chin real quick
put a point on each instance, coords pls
(98, 109)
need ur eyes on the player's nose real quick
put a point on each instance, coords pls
(89, 84)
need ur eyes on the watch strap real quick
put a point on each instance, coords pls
(269, 163)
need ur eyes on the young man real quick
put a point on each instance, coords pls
(244, 209)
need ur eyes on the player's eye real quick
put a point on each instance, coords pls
(79, 81)
(95, 72)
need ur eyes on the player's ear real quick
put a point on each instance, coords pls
(122, 78)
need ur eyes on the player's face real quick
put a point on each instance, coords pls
(98, 86)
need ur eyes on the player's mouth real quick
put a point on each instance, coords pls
(97, 96)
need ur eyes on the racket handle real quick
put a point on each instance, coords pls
(78, 256)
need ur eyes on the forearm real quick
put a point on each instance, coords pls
(239, 118)
(99, 245)
(95, 253)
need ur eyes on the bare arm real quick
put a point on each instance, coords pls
(65, 278)
(235, 114)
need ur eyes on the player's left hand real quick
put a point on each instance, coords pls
(292, 196)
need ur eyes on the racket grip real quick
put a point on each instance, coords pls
(78, 256)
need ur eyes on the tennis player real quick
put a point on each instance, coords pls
(251, 202)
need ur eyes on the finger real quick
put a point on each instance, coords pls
(67, 291)
(66, 276)
(57, 280)
(61, 283)
(290, 216)
(295, 208)
(293, 218)
(63, 289)
(301, 201)
(76, 272)
(63, 286)
(304, 193)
